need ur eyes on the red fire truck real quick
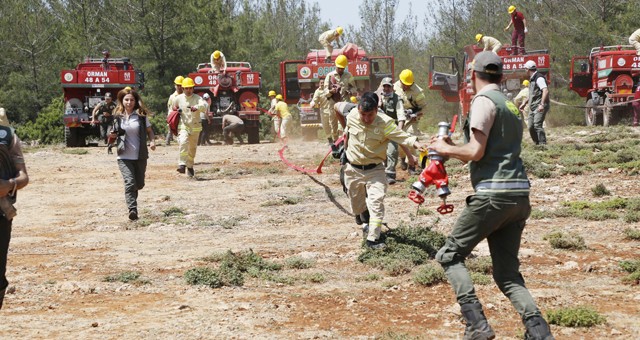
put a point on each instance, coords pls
(299, 78)
(84, 87)
(455, 86)
(606, 78)
(234, 91)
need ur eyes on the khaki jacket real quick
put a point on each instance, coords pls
(489, 43)
(345, 81)
(188, 118)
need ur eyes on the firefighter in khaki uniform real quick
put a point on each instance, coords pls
(338, 86)
(521, 98)
(190, 126)
(634, 40)
(414, 101)
(321, 101)
(367, 135)
(177, 83)
(489, 43)
(282, 120)
(327, 38)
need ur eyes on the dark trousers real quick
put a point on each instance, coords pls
(236, 129)
(5, 237)
(203, 138)
(536, 129)
(133, 175)
(636, 113)
(517, 40)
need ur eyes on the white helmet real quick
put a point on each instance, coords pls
(530, 65)
(205, 96)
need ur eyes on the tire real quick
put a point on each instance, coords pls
(70, 137)
(253, 134)
(592, 114)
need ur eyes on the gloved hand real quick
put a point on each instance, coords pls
(526, 30)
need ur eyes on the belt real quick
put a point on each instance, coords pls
(364, 167)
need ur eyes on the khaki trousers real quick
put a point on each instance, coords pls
(188, 142)
(366, 190)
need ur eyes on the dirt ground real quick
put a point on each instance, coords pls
(72, 231)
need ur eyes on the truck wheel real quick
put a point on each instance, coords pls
(70, 137)
(253, 134)
(592, 114)
(309, 133)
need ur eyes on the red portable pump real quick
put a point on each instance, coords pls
(434, 173)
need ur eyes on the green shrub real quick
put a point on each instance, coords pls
(630, 266)
(632, 234)
(429, 275)
(481, 279)
(203, 276)
(600, 190)
(369, 277)
(48, 127)
(633, 217)
(75, 151)
(315, 278)
(124, 277)
(482, 265)
(560, 240)
(299, 263)
(575, 317)
(633, 278)
(173, 211)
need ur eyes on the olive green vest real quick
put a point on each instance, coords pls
(500, 171)
(389, 106)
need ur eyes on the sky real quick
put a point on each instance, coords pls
(346, 12)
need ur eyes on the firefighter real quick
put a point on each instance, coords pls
(177, 84)
(634, 40)
(218, 62)
(13, 176)
(327, 38)
(499, 208)
(367, 135)
(232, 124)
(282, 119)
(538, 103)
(206, 121)
(391, 105)
(190, 126)
(272, 101)
(521, 99)
(104, 111)
(414, 101)
(519, 30)
(338, 86)
(321, 101)
(488, 43)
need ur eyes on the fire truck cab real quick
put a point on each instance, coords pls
(299, 78)
(84, 88)
(234, 91)
(606, 78)
(455, 84)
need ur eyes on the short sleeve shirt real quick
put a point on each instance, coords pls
(483, 111)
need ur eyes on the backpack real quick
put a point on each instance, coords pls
(173, 119)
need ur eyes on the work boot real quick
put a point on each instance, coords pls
(181, 169)
(403, 164)
(537, 329)
(391, 179)
(191, 172)
(376, 245)
(2, 296)
(133, 214)
(362, 218)
(330, 140)
(365, 231)
(477, 326)
(412, 171)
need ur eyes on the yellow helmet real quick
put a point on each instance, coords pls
(272, 93)
(128, 88)
(354, 99)
(216, 55)
(478, 37)
(339, 30)
(525, 82)
(341, 61)
(178, 80)
(406, 77)
(187, 83)
(511, 9)
(279, 97)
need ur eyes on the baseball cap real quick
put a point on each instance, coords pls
(386, 81)
(107, 95)
(487, 62)
(530, 65)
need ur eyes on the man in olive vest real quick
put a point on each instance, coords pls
(538, 103)
(391, 105)
(500, 207)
